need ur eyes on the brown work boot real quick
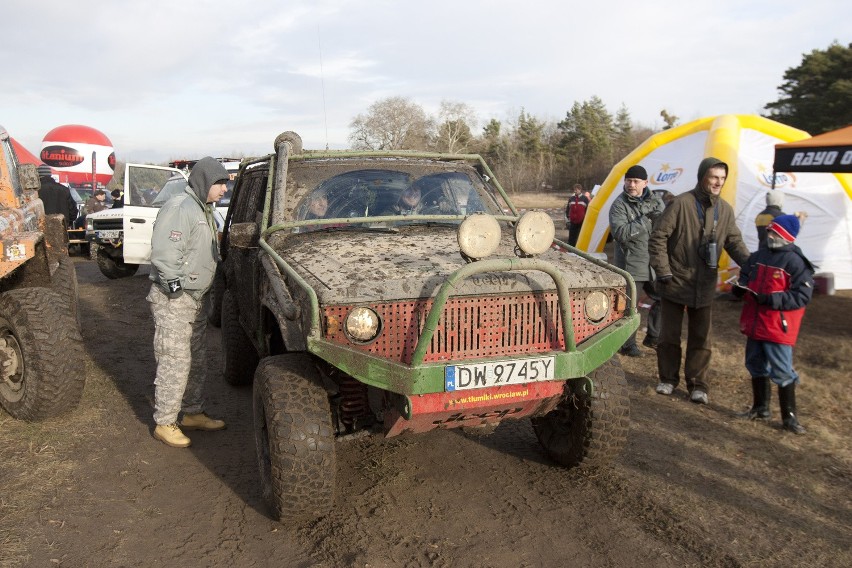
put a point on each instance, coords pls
(170, 435)
(201, 422)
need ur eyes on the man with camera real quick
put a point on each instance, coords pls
(684, 247)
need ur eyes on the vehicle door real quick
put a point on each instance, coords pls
(242, 263)
(146, 188)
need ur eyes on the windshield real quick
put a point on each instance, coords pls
(379, 193)
(174, 186)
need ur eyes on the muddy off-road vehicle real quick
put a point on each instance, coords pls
(42, 371)
(355, 311)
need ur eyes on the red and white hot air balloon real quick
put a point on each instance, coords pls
(80, 155)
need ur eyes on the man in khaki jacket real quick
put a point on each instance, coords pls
(685, 246)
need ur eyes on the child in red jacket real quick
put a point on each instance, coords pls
(777, 284)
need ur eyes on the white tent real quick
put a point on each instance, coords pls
(747, 144)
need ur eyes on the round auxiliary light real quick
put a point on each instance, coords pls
(362, 325)
(534, 232)
(597, 306)
(479, 236)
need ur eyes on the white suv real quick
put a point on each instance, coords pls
(120, 238)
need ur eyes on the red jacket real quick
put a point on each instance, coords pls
(781, 285)
(576, 209)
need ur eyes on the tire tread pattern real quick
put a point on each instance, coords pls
(588, 431)
(295, 438)
(54, 373)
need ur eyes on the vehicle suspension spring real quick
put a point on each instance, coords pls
(354, 403)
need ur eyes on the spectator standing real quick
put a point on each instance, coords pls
(684, 248)
(97, 202)
(777, 282)
(55, 196)
(184, 253)
(774, 203)
(117, 198)
(575, 210)
(631, 219)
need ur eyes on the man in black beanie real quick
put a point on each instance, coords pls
(631, 219)
(55, 196)
(685, 247)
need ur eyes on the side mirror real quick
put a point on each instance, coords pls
(243, 235)
(28, 174)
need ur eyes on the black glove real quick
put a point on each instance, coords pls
(738, 292)
(763, 299)
(665, 279)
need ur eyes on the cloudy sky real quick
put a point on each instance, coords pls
(166, 79)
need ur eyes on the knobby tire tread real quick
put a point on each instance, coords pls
(54, 373)
(295, 438)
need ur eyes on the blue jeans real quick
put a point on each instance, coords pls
(773, 360)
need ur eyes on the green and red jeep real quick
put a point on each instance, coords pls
(394, 292)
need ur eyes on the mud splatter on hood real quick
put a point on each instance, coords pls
(353, 267)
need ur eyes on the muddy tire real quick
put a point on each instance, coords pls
(238, 353)
(294, 438)
(214, 299)
(41, 352)
(64, 282)
(114, 268)
(584, 430)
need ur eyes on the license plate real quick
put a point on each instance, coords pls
(497, 373)
(112, 234)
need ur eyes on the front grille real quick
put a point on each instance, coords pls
(473, 327)
(107, 224)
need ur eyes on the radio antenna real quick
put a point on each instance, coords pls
(322, 84)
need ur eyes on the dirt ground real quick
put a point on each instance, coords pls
(696, 486)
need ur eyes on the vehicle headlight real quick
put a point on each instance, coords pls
(362, 325)
(479, 236)
(534, 232)
(597, 306)
(90, 225)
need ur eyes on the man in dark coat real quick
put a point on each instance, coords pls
(56, 197)
(685, 247)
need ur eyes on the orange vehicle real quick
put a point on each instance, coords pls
(42, 371)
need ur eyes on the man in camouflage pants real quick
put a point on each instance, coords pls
(184, 253)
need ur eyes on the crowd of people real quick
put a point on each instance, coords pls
(672, 252)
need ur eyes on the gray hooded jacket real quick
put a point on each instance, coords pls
(631, 220)
(184, 245)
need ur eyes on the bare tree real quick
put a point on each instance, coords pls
(456, 120)
(394, 123)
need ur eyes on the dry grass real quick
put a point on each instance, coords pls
(550, 200)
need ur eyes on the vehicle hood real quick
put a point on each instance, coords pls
(106, 214)
(353, 267)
